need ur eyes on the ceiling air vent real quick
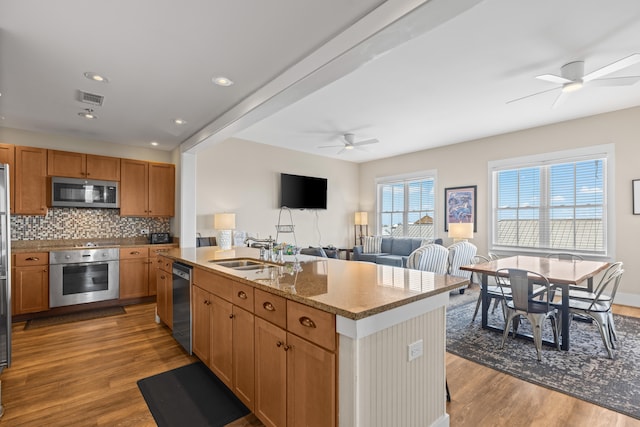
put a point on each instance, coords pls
(90, 98)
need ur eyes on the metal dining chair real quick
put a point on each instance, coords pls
(520, 303)
(598, 308)
(493, 290)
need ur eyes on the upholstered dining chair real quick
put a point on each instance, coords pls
(431, 257)
(520, 303)
(493, 290)
(461, 253)
(599, 307)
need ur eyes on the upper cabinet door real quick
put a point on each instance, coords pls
(103, 168)
(162, 184)
(31, 181)
(67, 164)
(134, 188)
(8, 156)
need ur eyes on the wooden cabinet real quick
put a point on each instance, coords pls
(7, 156)
(134, 272)
(147, 189)
(31, 181)
(79, 165)
(223, 307)
(295, 377)
(30, 282)
(164, 290)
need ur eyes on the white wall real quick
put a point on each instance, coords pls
(466, 164)
(244, 177)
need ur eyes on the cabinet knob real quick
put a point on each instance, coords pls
(305, 321)
(162, 277)
(231, 316)
(268, 306)
(134, 253)
(242, 295)
(279, 344)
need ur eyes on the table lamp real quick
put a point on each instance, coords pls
(361, 219)
(460, 231)
(225, 223)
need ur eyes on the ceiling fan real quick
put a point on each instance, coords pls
(350, 143)
(572, 78)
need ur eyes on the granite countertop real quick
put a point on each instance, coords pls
(352, 289)
(20, 246)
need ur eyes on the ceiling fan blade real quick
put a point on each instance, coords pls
(613, 67)
(331, 146)
(553, 79)
(365, 142)
(615, 81)
(533, 94)
(342, 151)
(560, 100)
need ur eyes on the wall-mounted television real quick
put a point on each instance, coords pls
(303, 192)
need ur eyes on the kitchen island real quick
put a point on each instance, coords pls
(387, 349)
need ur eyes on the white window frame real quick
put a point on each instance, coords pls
(414, 176)
(606, 151)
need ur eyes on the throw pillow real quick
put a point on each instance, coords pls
(372, 244)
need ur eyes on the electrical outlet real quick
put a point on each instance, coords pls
(415, 350)
(144, 231)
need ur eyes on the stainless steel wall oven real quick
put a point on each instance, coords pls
(80, 276)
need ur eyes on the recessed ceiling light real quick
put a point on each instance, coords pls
(88, 114)
(180, 121)
(154, 143)
(96, 77)
(222, 81)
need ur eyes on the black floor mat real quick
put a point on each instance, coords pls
(190, 396)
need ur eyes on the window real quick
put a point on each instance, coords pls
(406, 206)
(557, 205)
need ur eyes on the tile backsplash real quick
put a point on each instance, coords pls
(83, 223)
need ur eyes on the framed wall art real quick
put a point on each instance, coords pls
(460, 206)
(636, 196)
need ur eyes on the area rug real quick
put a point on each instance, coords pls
(74, 317)
(190, 396)
(585, 371)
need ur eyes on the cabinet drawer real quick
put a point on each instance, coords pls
(312, 324)
(129, 253)
(31, 258)
(243, 296)
(214, 283)
(164, 264)
(271, 307)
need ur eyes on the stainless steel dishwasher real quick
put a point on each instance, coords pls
(182, 304)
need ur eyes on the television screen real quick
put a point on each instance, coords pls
(303, 192)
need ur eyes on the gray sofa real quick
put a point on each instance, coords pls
(394, 251)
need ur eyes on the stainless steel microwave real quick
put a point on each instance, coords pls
(83, 193)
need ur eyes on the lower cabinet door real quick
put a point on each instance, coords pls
(311, 373)
(201, 318)
(243, 356)
(221, 356)
(271, 374)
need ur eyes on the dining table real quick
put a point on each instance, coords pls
(561, 273)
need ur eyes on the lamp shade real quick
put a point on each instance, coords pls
(224, 221)
(361, 218)
(461, 230)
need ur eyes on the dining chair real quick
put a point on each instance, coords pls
(520, 303)
(599, 307)
(493, 290)
(431, 257)
(583, 294)
(461, 253)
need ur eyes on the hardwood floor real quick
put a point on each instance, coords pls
(85, 373)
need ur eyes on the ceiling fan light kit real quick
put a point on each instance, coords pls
(572, 78)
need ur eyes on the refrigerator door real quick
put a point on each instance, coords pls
(5, 270)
